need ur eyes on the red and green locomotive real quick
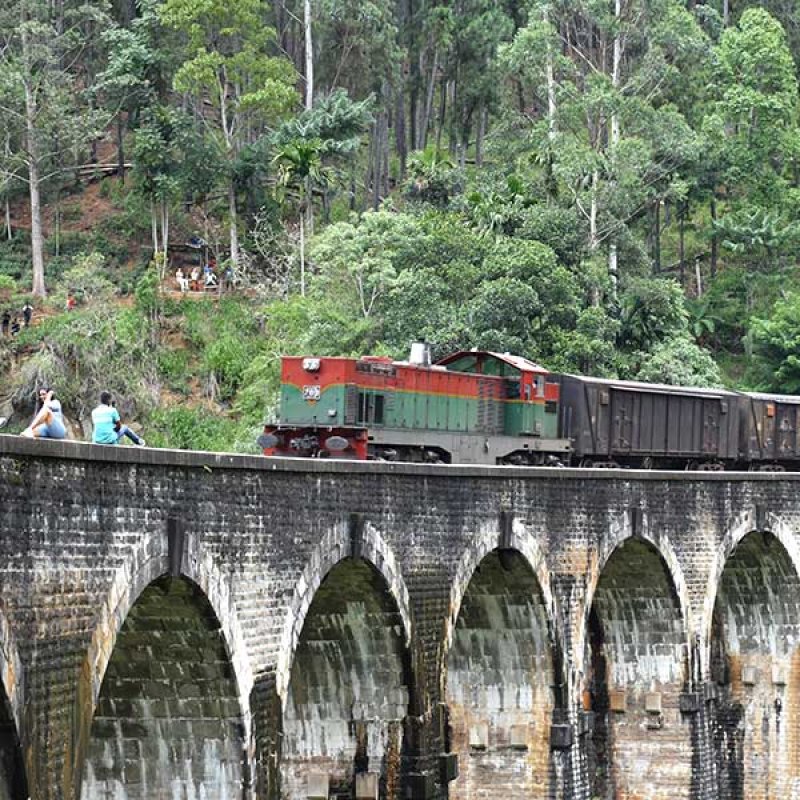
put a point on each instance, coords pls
(473, 407)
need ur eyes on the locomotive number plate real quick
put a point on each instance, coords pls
(311, 392)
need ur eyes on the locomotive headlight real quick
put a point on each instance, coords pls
(311, 364)
(331, 412)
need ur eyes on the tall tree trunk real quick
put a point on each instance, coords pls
(9, 232)
(713, 211)
(682, 211)
(37, 237)
(442, 112)
(233, 229)
(165, 232)
(657, 238)
(309, 72)
(400, 126)
(154, 227)
(479, 133)
(385, 152)
(593, 242)
(302, 258)
(613, 265)
(377, 169)
(551, 89)
(121, 148)
(426, 118)
(308, 206)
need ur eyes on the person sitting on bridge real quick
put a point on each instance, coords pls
(48, 422)
(107, 425)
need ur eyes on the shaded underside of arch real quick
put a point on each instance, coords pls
(500, 683)
(167, 722)
(755, 666)
(636, 670)
(349, 688)
(13, 785)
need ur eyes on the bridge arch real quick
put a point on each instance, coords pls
(521, 540)
(744, 526)
(501, 668)
(620, 532)
(348, 685)
(11, 672)
(13, 780)
(634, 666)
(334, 546)
(191, 607)
(752, 649)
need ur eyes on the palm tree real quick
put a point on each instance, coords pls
(301, 168)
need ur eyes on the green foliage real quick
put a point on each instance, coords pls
(681, 362)
(86, 278)
(777, 347)
(652, 310)
(185, 428)
(90, 349)
(433, 178)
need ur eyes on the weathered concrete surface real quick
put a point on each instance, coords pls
(544, 633)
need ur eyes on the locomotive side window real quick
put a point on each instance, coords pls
(370, 408)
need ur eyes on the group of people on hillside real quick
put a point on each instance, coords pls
(201, 280)
(11, 322)
(107, 427)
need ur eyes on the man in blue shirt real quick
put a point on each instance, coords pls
(108, 428)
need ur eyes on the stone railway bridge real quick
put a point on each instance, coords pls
(213, 627)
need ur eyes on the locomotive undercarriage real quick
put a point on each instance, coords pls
(433, 447)
(466, 448)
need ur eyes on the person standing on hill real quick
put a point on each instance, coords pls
(107, 425)
(27, 314)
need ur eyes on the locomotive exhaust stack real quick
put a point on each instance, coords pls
(420, 354)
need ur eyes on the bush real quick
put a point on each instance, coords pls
(173, 367)
(185, 428)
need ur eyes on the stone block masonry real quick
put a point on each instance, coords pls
(215, 626)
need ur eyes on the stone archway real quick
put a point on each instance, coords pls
(13, 781)
(167, 721)
(500, 683)
(635, 668)
(754, 671)
(349, 689)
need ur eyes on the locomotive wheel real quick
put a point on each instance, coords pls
(705, 466)
(592, 464)
(769, 468)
